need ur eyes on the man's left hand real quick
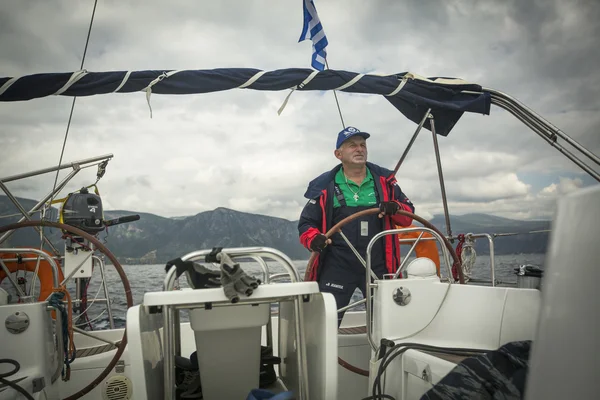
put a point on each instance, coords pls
(388, 208)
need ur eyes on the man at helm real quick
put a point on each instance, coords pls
(352, 186)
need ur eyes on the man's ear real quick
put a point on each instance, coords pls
(337, 154)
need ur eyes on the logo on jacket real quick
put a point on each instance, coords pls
(334, 285)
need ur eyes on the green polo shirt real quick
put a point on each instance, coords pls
(366, 190)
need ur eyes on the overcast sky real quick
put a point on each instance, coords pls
(231, 149)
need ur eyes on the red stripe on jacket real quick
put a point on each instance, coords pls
(389, 257)
(392, 256)
(307, 237)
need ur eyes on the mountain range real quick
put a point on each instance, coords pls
(155, 239)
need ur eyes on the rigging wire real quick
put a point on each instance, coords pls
(336, 101)
(73, 103)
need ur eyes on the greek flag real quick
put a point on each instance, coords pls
(313, 30)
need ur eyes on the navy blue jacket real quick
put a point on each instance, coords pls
(317, 215)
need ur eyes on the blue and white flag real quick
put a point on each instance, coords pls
(313, 30)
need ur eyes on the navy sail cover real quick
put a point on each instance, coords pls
(412, 95)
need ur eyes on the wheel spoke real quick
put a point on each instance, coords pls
(357, 254)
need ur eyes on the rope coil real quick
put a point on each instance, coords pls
(56, 301)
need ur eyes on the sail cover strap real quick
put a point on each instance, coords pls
(410, 93)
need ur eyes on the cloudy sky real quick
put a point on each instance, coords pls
(231, 149)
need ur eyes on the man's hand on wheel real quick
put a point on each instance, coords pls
(388, 208)
(319, 243)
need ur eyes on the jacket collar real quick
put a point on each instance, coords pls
(316, 186)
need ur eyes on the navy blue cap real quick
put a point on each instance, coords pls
(348, 133)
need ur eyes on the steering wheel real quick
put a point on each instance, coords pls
(104, 250)
(338, 227)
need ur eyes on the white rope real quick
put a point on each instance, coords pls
(399, 88)
(125, 78)
(8, 84)
(300, 86)
(75, 76)
(350, 82)
(252, 80)
(468, 257)
(148, 89)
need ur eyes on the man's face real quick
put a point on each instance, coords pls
(353, 151)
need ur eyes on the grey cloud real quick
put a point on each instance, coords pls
(234, 142)
(25, 35)
(20, 186)
(560, 41)
(538, 48)
(142, 180)
(413, 17)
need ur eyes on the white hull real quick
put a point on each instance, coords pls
(352, 348)
(468, 316)
(438, 314)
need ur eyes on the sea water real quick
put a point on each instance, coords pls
(149, 278)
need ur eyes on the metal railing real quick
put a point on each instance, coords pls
(545, 129)
(77, 167)
(369, 285)
(473, 236)
(41, 254)
(280, 275)
(102, 268)
(171, 313)
(56, 283)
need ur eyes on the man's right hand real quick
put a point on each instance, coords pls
(319, 242)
